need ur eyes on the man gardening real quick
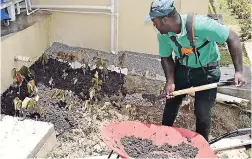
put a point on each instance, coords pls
(194, 41)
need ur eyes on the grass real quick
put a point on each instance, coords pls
(230, 20)
(226, 59)
(249, 152)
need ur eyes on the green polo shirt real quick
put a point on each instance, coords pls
(204, 29)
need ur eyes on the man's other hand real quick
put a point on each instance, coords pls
(169, 87)
(239, 79)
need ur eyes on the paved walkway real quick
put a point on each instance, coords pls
(248, 47)
(241, 92)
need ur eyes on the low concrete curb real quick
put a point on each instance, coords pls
(25, 139)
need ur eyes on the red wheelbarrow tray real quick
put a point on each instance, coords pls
(113, 132)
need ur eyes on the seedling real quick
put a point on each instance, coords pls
(60, 94)
(32, 89)
(43, 59)
(101, 63)
(26, 72)
(96, 87)
(70, 105)
(121, 62)
(28, 104)
(86, 104)
(18, 78)
(17, 104)
(85, 62)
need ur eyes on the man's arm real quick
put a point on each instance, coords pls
(168, 67)
(235, 49)
(213, 31)
(165, 52)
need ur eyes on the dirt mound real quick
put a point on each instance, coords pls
(78, 123)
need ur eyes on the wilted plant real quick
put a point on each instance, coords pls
(121, 62)
(17, 104)
(101, 63)
(43, 59)
(59, 93)
(86, 104)
(96, 87)
(27, 72)
(32, 88)
(27, 105)
(17, 76)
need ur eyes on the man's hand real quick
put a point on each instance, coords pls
(168, 66)
(239, 79)
(169, 87)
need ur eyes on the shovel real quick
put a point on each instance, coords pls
(199, 88)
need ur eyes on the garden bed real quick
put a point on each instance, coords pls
(64, 100)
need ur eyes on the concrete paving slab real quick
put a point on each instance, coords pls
(233, 153)
(25, 139)
(248, 47)
(241, 92)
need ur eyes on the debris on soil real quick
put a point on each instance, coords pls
(144, 148)
(137, 99)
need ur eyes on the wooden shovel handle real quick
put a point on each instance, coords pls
(194, 89)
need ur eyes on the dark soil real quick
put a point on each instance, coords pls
(79, 130)
(55, 110)
(144, 148)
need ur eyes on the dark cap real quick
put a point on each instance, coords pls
(160, 8)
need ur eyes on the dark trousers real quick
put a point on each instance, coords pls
(204, 100)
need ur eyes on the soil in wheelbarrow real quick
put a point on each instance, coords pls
(144, 148)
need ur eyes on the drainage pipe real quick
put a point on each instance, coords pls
(29, 5)
(112, 2)
(79, 12)
(72, 7)
(117, 25)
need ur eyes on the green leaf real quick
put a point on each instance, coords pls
(54, 94)
(32, 89)
(40, 110)
(31, 104)
(26, 102)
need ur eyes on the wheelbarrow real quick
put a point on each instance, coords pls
(114, 132)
